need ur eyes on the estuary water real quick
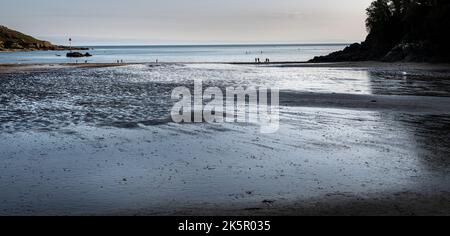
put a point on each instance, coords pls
(180, 53)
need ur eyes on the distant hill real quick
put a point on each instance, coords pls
(402, 30)
(11, 40)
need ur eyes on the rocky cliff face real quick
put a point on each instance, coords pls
(402, 52)
(11, 40)
(402, 30)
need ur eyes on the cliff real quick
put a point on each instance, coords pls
(11, 40)
(402, 30)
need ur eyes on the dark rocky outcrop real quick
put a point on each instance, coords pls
(402, 30)
(404, 52)
(11, 40)
(78, 54)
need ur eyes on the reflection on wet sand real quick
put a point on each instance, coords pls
(429, 83)
(428, 130)
(98, 141)
(430, 135)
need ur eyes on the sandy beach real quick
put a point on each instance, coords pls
(17, 67)
(95, 139)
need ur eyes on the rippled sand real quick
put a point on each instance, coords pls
(98, 141)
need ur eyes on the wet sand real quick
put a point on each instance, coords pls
(335, 153)
(17, 68)
(322, 162)
(333, 204)
(372, 65)
(14, 67)
(419, 104)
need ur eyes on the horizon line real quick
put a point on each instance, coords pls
(211, 44)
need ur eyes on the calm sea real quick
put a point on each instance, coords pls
(201, 53)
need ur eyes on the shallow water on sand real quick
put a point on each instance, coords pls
(96, 141)
(140, 94)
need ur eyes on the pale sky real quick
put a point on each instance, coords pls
(95, 22)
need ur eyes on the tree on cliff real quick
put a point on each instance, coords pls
(412, 30)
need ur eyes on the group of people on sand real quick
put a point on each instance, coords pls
(122, 61)
(118, 61)
(258, 60)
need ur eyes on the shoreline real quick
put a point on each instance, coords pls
(370, 154)
(37, 67)
(61, 49)
(19, 67)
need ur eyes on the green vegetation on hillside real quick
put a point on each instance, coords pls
(14, 40)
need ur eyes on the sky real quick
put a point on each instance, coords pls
(139, 22)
